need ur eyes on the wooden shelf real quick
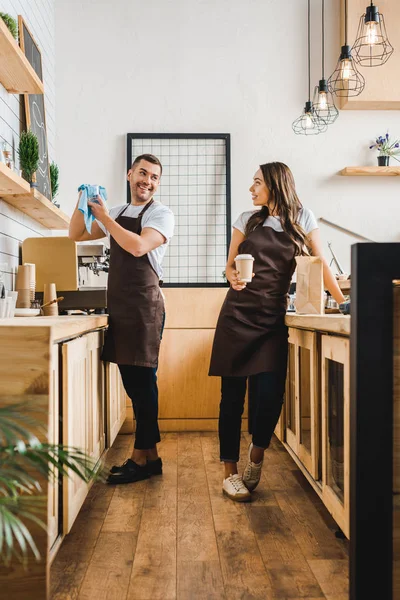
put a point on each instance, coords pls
(16, 73)
(16, 191)
(11, 183)
(371, 171)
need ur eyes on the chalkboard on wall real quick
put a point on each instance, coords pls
(34, 109)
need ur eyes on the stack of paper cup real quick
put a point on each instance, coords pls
(22, 286)
(244, 266)
(32, 278)
(49, 294)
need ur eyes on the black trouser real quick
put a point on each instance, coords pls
(140, 384)
(267, 390)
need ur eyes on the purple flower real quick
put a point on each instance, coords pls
(387, 136)
(397, 145)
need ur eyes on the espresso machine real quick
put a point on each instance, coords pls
(79, 270)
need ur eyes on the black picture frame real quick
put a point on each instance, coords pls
(191, 136)
(35, 112)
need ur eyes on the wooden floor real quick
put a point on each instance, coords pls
(178, 537)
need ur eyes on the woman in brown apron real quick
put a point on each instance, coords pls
(251, 338)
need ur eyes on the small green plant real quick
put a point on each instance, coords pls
(28, 154)
(10, 23)
(54, 173)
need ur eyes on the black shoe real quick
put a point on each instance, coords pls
(154, 466)
(129, 473)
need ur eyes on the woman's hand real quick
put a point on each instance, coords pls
(233, 277)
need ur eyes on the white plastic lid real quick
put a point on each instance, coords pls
(244, 257)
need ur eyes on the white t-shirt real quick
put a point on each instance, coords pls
(158, 217)
(306, 220)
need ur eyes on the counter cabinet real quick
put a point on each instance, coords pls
(314, 424)
(81, 403)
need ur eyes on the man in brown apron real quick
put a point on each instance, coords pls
(139, 234)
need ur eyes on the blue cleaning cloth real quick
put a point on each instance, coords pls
(89, 192)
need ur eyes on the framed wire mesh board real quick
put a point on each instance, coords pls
(195, 185)
(35, 110)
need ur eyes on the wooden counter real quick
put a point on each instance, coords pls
(55, 328)
(335, 323)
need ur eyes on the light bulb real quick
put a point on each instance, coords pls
(307, 121)
(345, 69)
(371, 34)
(322, 101)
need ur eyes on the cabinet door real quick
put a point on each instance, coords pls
(75, 400)
(53, 438)
(95, 413)
(116, 402)
(291, 413)
(335, 428)
(307, 400)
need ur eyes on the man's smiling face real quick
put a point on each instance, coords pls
(144, 179)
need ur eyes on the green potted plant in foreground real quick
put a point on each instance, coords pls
(11, 24)
(28, 156)
(21, 502)
(54, 173)
(387, 148)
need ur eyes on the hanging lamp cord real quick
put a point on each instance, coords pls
(323, 39)
(309, 54)
(345, 22)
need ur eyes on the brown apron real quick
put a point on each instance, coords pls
(251, 336)
(135, 304)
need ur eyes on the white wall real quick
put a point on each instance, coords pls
(214, 66)
(14, 225)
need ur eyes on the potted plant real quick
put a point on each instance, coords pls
(386, 148)
(28, 155)
(24, 460)
(10, 23)
(54, 173)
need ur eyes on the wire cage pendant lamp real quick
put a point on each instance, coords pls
(309, 123)
(346, 80)
(323, 102)
(372, 47)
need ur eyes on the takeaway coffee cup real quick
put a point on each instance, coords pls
(244, 266)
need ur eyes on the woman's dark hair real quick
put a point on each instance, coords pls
(150, 158)
(284, 203)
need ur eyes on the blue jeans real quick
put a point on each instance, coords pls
(140, 384)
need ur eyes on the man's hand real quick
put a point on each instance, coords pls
(99, 209)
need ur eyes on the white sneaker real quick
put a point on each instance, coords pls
(235, 490)
(252, 472)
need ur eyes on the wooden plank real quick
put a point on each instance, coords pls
(10, 182)
(193, 308)
(16, 74)
(332, 576)
(107, 576)
(37, 206)
(185, 389)
(177, 424)
(371, 171)
(153, 574)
